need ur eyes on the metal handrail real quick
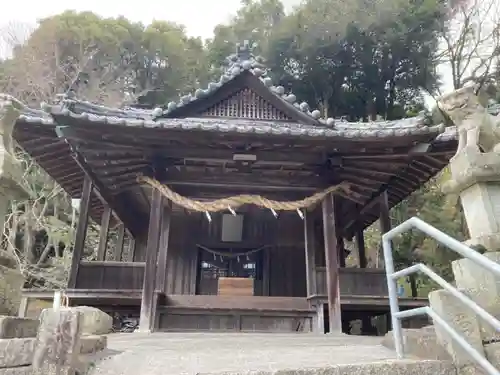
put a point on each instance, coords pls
(393, 276)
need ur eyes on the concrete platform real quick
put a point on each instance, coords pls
(240, 353)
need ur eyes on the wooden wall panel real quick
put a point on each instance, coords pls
(285, 275)
(356, 281)
(110, 275)
(235, 313)
(182, 254)
(287, 272)
(259, 227)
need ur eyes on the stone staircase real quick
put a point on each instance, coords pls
(228, 353)
(433, 342)
(258, 354)
(466, 315)
(423, 343)
(419, 343)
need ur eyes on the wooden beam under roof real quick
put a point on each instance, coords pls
(404, 183)
(128, 215)
(96, 150)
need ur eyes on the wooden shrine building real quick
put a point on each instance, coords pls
(249, 267)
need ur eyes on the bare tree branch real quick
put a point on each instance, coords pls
(470, 41)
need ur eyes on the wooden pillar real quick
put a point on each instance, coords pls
(360, 242)
(131, 249)
(81, 231)
(310, 254)
(163, 246)
(117, 256)
(103, 234)
(266, 272)
(341, 251)
(140, 248)
(148, 288)
(385, 219)
(332, 265)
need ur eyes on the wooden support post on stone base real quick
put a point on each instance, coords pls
(360, 241)
(310, 256)
(332, 264)
(104, 234)
(120, 240)
(161, 272)
(57, 345)
(81, 231)
(149, 285)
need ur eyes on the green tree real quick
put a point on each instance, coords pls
(255, 21)
(98, 59)
(353, 59)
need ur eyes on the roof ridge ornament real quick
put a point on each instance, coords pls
(245, 51)
(244, 59)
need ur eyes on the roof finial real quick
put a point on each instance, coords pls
(244, 52)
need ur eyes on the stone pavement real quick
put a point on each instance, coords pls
(238, 353)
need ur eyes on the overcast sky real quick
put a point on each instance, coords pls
(199, 16)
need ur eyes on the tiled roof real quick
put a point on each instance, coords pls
(242, 61)
(245, 61)
(379, 129)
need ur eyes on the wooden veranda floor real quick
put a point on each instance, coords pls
(133, 297)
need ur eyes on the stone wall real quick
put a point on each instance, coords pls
(11, 282)
(57, 343)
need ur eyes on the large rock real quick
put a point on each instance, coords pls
(16, 352)
(94, 321)
(13, 327)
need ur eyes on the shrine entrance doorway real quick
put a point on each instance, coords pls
(227, 272)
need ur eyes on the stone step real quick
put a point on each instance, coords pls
(19, 352)
(395, 367)
(420, 343)
(256, 354)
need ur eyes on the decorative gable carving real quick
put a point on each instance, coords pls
(246, 104)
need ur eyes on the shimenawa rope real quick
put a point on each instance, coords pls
(240, 200)
(232, 255)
